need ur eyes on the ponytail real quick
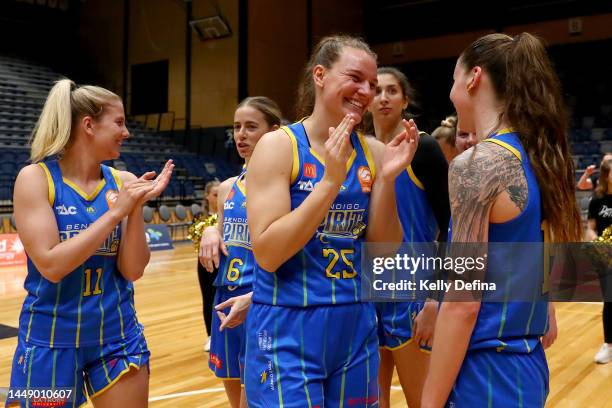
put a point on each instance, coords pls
(65, 104)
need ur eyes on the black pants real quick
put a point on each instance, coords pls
(207, 288)
(605, 281)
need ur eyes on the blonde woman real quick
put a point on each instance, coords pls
(82, 226)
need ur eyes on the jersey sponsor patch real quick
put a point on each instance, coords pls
(365, 179)
(310, 170)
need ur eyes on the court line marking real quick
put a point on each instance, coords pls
(209, 391)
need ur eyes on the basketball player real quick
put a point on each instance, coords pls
(502, 190)
(406, 328)
(81, 224)
(254, 117)
(316, 191)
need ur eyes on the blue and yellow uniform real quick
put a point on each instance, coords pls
(235, 278)
(419, 225)
(81, 332)
(505, 365)
(310, 342)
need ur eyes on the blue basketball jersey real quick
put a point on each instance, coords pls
(94, 304)
(327, 270)
(416, 216)
(236, 269)
(514, 326)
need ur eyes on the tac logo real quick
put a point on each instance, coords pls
(111, 197)
(228, 205)
(365, 179)
(63, 210)
(305, 185)
(310, 170)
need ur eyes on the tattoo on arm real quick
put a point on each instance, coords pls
(476, 179)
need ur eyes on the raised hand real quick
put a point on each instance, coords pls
(159, 183)
(338, 150)
(210, 244)
(399, 152)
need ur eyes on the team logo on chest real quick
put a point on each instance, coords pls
(111, 197)
(365, 178)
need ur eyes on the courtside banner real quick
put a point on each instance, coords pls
(490, 272)
(11, 250)
(158, 237)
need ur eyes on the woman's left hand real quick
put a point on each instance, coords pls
(399, 152)
(239, 307)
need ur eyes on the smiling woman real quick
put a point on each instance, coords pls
(314, 170)
(81, 224)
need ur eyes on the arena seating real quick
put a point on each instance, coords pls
(24, 86)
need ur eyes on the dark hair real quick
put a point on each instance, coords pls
(326, 53)
(524, 79)
(447, 131)
(407, 90)
(604, 174)
(266, 106)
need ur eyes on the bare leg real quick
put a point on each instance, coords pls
(412, 365)
(385, 375)
(233, 391)
(132, 390)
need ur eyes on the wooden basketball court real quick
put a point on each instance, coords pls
(169, 305)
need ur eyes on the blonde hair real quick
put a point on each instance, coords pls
(65, 104)
(447, 130)
(209, 186)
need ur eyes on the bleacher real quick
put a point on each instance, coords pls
(23, 88)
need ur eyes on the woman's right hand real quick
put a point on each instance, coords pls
(209, 248)
(337, 151)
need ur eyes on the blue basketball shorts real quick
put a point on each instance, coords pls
(489, 378)
(396, 322)
(91, 370)
(318, 356)
(226, 358)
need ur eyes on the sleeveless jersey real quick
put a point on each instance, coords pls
(236, 269)
(93, 304)
(514, 326)
(416, 216)
(327, 270)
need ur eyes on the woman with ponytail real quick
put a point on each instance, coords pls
(81, 224)
(516, 185)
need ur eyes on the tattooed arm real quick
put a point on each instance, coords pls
(486, 184)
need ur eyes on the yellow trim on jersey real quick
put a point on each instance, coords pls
(404, 344)
(505, 131)
(316, 156)
(351, 159)
(241, 186)
(368, 154)
(414, 178)
(507, 146)
(295, 166)
(121, 374)
(88, 197)
(50, 183)
(116, 176)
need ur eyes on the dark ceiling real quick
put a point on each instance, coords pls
(395, 20)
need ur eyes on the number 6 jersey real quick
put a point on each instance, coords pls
(327, 270)
(93, 304)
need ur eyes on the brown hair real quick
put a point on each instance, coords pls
(604, 174)
(407, 90)
(266, 106)
(524, 79)
(447, 131)
(65, 104)
(326, 53)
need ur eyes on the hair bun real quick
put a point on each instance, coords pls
(450, 121)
